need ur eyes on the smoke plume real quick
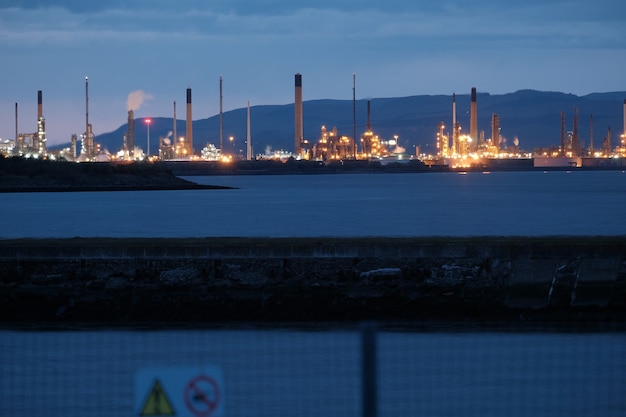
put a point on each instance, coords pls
(399, 149)
(136, 99)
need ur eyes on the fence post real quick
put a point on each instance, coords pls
(369, 392)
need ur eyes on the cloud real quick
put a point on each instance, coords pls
(240, 7)
(565, 10)
(76, 6)
(347, 22)
(479, 10)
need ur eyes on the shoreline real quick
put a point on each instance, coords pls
(19, 175)
(105, 188)
(292, 167)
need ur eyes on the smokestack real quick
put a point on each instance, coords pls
(298, 134)
(454, 127)
(562, 133)
(625, 119)
(248, 138)
(575, 140)
(474, 119)
(369, 118)
(39, 105)
(39, 140)
(174, 136)
(354, 113)
(591, 150)
(16, 129)
(189, 133)
(88, 146)
(453, 108)
(221, 122)
(130, 138)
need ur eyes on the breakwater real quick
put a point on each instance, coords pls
(121, 281)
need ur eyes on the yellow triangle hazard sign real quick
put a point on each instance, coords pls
(157, 403)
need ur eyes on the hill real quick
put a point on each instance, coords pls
(532, 116)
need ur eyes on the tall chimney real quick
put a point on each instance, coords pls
(591, 150)
(562, 133)
(221, 120)
(248, 138)
(575, 139)
(298, 134)
(624, 137)
(130, 138)
(189, 133)
(354, 114)
(174, 136)
(454, 127)
(16, 129)
(369, 118)
(474, 120)
(87, 142)
(39, 105)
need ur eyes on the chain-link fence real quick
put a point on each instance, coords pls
(322, 370)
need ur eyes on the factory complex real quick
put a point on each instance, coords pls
(454, 147)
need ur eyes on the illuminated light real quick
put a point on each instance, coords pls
(147, 121)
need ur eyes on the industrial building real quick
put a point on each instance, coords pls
(31, 144)
(463, 150)
(454, 146)
(459, 150)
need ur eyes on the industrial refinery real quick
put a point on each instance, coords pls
(455, 146)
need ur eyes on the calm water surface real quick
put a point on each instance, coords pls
(434, 204)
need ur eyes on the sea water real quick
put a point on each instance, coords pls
(341, 205)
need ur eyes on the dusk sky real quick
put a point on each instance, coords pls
(397, 48)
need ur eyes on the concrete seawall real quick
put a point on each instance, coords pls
(120, 281)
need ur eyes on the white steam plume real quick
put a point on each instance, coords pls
(136, 99)
(166, 138)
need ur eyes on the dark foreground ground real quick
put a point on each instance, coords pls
(183, 282)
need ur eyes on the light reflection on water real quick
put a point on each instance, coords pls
(345, 205)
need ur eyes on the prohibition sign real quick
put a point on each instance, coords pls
(202, 396)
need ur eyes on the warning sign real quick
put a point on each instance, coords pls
(179, 391)
(157, 403)
(202, 395)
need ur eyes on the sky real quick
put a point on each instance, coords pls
(152, 50)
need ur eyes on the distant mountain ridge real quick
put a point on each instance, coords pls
(531, 116)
